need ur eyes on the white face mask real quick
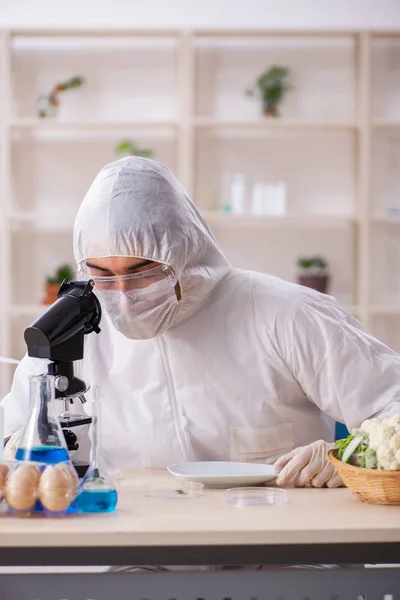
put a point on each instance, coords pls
(141, 313)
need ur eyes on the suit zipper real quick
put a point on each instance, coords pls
(179, 430)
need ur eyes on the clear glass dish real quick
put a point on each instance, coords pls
(256, 496)
(188, 490)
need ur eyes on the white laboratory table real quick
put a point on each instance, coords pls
(329, 527)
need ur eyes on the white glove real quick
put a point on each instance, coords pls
(308, 464)
(11, 447)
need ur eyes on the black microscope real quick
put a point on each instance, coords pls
(58, 336)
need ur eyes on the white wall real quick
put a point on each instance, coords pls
(202, 13)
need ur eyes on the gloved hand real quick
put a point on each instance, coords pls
(11, 447)
(308, 464)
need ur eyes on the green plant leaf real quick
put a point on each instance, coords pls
(320, 262)
(313, 262)
(341, 445)
(304, 263)
(124, 146)
(63, 272)
(130, 148)
(73, 82)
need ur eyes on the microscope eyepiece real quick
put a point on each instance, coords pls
(58, 333)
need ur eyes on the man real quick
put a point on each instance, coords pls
(197, 360)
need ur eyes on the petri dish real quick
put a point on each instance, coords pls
(256, 496)
(188, 490)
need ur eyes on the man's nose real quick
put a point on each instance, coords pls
(123, 286)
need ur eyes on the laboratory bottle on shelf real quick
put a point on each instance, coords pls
(42, 439)
(238, 195)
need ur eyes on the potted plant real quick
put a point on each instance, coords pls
(271, 86)
(47, 105)
(53, 283)
(130, 148)
(313, 273)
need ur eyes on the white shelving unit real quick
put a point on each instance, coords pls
(336, 146)
(281, 124)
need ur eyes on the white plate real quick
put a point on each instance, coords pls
(221, 474)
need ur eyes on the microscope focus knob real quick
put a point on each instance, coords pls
(61, 383)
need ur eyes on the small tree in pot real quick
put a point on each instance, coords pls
(313, 273)
(53, 283)
(271, 86)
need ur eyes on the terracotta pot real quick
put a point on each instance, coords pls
(270, 110)
(51, 291)
(320, 283)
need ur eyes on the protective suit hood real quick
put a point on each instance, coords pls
(137, 208)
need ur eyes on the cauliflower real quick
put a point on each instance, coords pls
(394, 420)
(384, 439)
(367, 425)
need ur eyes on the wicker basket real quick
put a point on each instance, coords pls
(374, 487)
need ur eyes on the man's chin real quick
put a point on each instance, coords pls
(134, 334)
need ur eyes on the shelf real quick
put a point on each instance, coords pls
(391, 33)
(296, 124)
(271, 123)
(384, 220)
(275, 32)
(118, 32)
(52, 125)
(386, 125)
(214, 217)
(385, 310)
(63, 224)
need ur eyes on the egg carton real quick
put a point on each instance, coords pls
(27, 487)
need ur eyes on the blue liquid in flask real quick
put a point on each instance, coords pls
(45, 454)
(92, 500)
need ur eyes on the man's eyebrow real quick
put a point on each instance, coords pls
(143, 263)
(132, 267)
(92, 266)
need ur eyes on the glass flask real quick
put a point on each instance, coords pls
(97, 492)
(42, 439)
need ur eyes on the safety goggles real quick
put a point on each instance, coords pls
(130, 282)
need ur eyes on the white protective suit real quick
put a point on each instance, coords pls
(248, 367)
